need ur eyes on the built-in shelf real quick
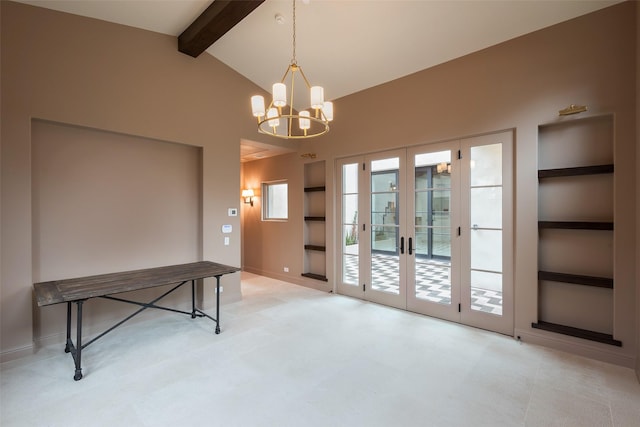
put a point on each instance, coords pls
(577, 332)
(576, 225)
(599, 282)
(315, 276)
(575, 171)
(312, 189)
(315, 210)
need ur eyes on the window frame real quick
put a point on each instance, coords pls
(265, 197)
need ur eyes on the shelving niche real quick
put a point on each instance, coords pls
(575, 224)
(315, 262)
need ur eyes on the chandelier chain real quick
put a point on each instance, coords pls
(293, 60)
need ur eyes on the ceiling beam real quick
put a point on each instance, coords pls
(213, 23)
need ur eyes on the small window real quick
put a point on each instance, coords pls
(275, 201)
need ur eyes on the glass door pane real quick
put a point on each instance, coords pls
(487, 232)
(371, 260)
(486, 228)
(350, 236)
(385, 224)
(432, 177)
(433, 290)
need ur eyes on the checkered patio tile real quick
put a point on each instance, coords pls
(432, 281)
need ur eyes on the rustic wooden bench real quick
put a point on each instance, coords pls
(78, 290)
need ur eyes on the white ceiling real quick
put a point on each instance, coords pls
(344, 45)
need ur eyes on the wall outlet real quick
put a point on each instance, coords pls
(221, 289)
(286, 269)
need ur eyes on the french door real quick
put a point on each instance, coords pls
(429, 229)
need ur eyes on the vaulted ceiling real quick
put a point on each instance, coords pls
(344, 45)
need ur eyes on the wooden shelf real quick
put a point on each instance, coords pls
(315, 230)
(577, 332)
(576, 171)
(576, 225)
(312, 189)
(585, 146)
(598, 282)
(315, 276)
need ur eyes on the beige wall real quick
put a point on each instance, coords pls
(73, 70)
(519, 84)
(103, 201)
(269, 246)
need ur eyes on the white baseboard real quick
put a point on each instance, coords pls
(55, 340)
(302, 281)
(16, 353)
(575, 346)
(273, 275)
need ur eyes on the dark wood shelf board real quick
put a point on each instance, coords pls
(577, 332)
(599, 282)
(312, 189)
(576, 225)
(315, 248)
(315, 276)
(576, 171)
(315, 218)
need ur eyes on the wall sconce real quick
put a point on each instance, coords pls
(248, 196)
(443, 167)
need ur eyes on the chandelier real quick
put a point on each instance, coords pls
(280, 119)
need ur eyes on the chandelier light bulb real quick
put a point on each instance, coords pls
(279, 95)
(317, 97)
(257, 105)
(304, 123)
(274, 123)
(327, 110)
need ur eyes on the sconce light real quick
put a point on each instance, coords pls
(248, 196)
(572, 109)
(443, 167)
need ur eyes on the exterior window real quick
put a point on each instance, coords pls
(275, 201)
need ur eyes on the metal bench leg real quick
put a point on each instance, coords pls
(67, 347)
(193, 299)
(217, 304)
(78, 353)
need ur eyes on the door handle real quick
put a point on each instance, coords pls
(410, 245)
(402, 245)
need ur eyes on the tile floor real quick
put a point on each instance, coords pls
(291, 356)
(432, 281)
